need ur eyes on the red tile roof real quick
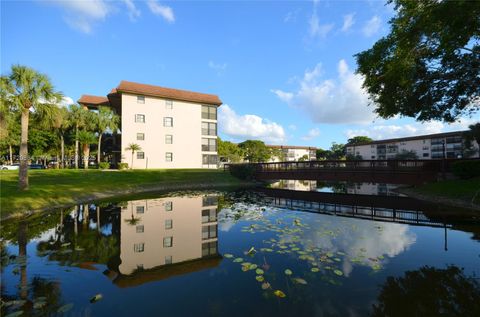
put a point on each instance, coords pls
(92, 100)
(177, 94)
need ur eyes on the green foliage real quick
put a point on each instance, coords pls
(229, 152)
(278, 153)
(255, 151)
(122, 166)
(406, 155)
(242, 171)
(473, 134)
(336, 152)
(303, 158)
(358, 140)
(466, 169)
(104, 165)
(427, 66)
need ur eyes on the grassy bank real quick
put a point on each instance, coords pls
(55, 188)
(462, 192)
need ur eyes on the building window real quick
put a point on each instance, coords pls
(168, 139)
(425, 148)
(140, 99)
(140, 118)
(209, 248)
(169, 156)
(209, 201)
(138, 247)
(209, 232)
(209, 215)
(209, 112)
(168, 224)
(140, 136)
(168, 206)
(209, 145)
(167, 242)
(209, 128)
(208, 159)
(373, 157)
(140, 209)
(168, 104)
(168, 122)
(168, 259)
(140, 229)
(426, 154)
(140, 155)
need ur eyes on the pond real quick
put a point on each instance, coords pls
(236, 253)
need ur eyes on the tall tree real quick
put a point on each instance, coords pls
(106, 120)
(86, 138)
(29, 90)
(134, 148)
(78, 119)
(358, 140)
(428, 67)
(229, 151)
(255, 151)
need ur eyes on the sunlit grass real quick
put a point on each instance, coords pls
(49, 188)
(464, 189)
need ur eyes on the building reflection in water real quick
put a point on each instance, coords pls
(164, 237)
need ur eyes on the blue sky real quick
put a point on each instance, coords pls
(284, 69)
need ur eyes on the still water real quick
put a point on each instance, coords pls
(234, 254)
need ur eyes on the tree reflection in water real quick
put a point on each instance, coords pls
(429, 292)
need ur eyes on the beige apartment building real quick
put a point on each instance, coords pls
(174, 128)
(432, 146)
(294, 153)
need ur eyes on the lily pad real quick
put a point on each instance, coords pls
(279, 293)
(288, 272)
(299, 280)
(266, 285)
(338, 272)
(228, 255)
(65, 308)
(315, 269)
(238, 260)
(260, 278)
(96, 298)
(259, 271)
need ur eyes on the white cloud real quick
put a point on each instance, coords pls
(133, 12)
(82, 14)
(335, 100)
(217, 67)
(66, 101)
(372, 26)
(317, 29)
(312, 134)
(391, 131)
(348, 21)
(249, 126)
(165, 12)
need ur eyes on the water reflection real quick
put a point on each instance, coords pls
(337, 187)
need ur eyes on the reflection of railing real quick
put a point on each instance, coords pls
(371, 213)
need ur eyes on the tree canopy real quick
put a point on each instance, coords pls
(428, 67)
(358, 140)
(255, 151)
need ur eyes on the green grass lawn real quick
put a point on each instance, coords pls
(50, 188)
(462, 189)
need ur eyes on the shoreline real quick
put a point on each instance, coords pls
(99, 196)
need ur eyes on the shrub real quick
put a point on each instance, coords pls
(104, 165)
(122, 166)
(466, 169)
(242, 171)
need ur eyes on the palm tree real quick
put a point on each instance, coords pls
(61, 124)
(28, 89)
(106, 120)
(133, 147)
(77, 118)
(86, 138)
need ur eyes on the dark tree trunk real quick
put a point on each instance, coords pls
(99, 147)
(62, 150)
(22, 252)
(23, 171)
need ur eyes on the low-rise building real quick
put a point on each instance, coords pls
(174, 128)
(432, 146)
(294, 153)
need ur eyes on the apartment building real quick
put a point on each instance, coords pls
(174, 128)
(432, 146)
(294, 153)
